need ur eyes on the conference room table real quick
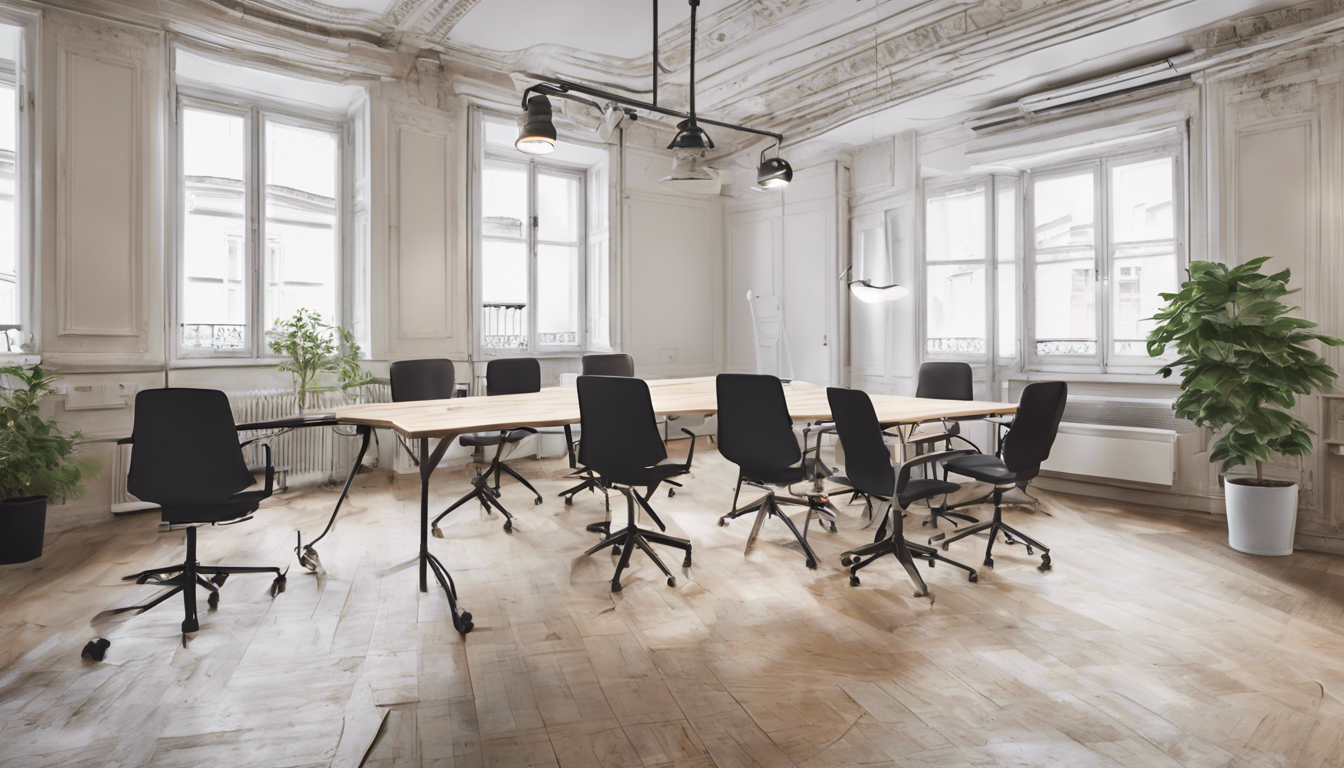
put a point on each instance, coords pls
(425, 420)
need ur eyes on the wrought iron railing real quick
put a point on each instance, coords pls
(1065, 347)
(956, 345)
(504, 326)
(221, 336)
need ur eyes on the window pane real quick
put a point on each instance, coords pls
(599, 292)
(214, 245)
(1136, 282)
(1141, 201)
(1005, 233)
(956, 308)
(1066, 317)
(504, 200)
(558, 297)
(10, 296)
(1064, 211)
(504, 295)
(955, 226)
(302, 255)
(558, 217)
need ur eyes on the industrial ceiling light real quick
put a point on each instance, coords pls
(865, 291)
(536, 132)
(774, 172)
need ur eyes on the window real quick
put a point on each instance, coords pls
(955, 273)
(14, 254)
(543, 248)
(1104, 247)
(260, 224)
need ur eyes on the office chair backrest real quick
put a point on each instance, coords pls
(185, 449)
(755, 431)
(512, 376)
(1039, 411)
(432, 379)
(615, 364)
(946, 381)
(867, 459)
(619, 429)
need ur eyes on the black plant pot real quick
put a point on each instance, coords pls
(23, 520)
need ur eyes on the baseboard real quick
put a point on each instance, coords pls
(1313, 543)
(1166, 499)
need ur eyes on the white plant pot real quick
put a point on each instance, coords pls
(1261, 520)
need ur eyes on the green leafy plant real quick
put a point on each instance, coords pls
(1244, 358)
(36, 457)
(322, 357)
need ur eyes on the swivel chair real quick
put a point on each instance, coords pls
(186, 458)
(756, 434)
(1021, 452)
(868, 467)
(945, 381)
(622, 446)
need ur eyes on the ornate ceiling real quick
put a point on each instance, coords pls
(844, 69)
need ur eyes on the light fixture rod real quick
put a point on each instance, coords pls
(655, 53)
(556, 86)
(694, 4)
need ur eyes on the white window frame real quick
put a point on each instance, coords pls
(1105, 360)
(941, 189)
(256, 111)
(25, 80)
(534, 165)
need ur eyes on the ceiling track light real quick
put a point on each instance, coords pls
(536, 128)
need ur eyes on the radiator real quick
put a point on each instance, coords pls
(1135, 454)
(303, 457)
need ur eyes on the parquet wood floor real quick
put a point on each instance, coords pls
(1149, 644)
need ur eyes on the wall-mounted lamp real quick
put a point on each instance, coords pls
(536, 131)
(865, 291)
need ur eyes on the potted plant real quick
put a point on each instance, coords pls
(1244, 358)
(36, 463)
(316, 353)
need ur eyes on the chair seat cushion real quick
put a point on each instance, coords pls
(786, 476)
(918, 489)
(239, 505)
(987, 469)
(646, 476)
(485, 439)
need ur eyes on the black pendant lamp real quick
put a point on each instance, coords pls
(773, 172)
(536, 132)
(689, 133)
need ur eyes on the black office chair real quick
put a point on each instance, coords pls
(756, 434)
(621, 444)
(1021, 452)
(614, 364)
(868, 467)
(186, 458)
(945, 381)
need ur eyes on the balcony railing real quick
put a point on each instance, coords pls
(504, 326)
(956, 345)
(220, 336)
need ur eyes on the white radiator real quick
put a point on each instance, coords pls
(1135, 454)
(306, 456)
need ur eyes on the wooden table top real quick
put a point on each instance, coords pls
(555, 406)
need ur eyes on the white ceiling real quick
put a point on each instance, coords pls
(620, 28)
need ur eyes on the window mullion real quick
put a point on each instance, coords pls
(256, 230)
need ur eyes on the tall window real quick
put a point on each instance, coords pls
(1104, 246)
(13, 254)
(956, 270)
(260, 224)
(534, 250)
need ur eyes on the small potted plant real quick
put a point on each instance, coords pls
(315, 353)
(1244, 357)
(36, 463)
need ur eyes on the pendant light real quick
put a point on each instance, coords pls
(865, 291)
(689, 133)
(536, 131)
(774, 172)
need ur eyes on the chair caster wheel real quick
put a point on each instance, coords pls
(1045, 563)
(671, 492)
(687, 562)
(853, 581)
(846, 562)
(537, 502)
(219, 578)
(671, 581)
(213, 600)
(438, 533)
(833, 528)
(812, 564)
(464, 623)
(723, 522)
(278, 585)
(989, 562)
(508, 526)
(946, 546)
(95, 649)
(569, 501)
(615, 586)
(973, 578)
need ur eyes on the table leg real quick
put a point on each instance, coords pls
(307, 554)
(428, 461)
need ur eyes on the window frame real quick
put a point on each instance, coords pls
(934, 190)
(24, 78)
(486, 154)
(1102, 164)
(256, 112)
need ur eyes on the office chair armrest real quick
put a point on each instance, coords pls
(691, 453)
(929, 458)
(524, 431)
(270, 468)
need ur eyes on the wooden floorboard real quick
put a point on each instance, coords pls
(1151, 643)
